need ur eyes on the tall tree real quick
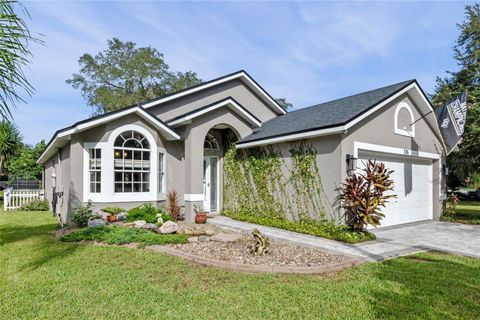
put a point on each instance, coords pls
(10, 142)
(25, 165)
(124, 74)
(467, 54)
(14, 55)
(284, 103)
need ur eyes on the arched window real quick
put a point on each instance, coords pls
(404, 120)
(210, 142)
(131, 162)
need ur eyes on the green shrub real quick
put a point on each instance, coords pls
(35, 205)
(82, 214)
(120, 235)
(324, 229)
(147, 212)
(113, 210)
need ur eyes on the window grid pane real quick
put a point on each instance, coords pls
(131, 163)
(95, 167)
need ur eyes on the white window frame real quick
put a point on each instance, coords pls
(133, 170)
(404, 131)
(107, 176)
(95, 170)
(162, 187)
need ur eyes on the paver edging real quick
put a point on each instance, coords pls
(252, 268)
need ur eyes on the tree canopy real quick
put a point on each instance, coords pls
(124, 74)
(467, 54)
(25, 165)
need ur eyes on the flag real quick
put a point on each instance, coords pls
(451, 119)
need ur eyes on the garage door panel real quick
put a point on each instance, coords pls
(412, 184)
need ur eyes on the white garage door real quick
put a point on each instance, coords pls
(412, 184)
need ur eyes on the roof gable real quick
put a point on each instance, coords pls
(240, 75)
(62, 136)
(229, 102)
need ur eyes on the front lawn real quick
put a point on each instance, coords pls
(42, 278)
(466, 212)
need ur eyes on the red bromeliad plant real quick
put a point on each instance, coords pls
(363, 195)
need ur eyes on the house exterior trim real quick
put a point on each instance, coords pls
(392, 150)
(65, 134)
(229, 102)
(242, 75)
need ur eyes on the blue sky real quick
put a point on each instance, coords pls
(307, 52)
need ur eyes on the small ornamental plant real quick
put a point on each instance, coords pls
(450, 206)
(364, 194)
(82, 214)
(174, 207)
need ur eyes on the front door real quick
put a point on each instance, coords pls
(210, 184)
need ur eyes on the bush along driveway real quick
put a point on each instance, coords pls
(41, 277)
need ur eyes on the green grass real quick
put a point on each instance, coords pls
(326, 230)
(42, 278)
(466, 212)
(122, 235)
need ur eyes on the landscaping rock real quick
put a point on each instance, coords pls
(209, 232)
(193, 239)
(129, 224)
(168, 227)
(121, 216)
(96, 223)
(105, 215)
(139, 223)
(150, 226)
(194, 232)
(226, 237)
(203, 239)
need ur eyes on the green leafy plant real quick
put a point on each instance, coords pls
(261, 182)
(121, 235)
(35, 205)
(82, 214)
(363, 194)
(324, 229)
(147, 212)
(113, 210)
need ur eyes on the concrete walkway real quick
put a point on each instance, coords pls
(391, 242)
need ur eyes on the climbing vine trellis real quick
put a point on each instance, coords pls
(262, 182)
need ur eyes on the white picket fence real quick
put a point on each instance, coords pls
(14, 199)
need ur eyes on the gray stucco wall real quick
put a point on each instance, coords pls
(235, 89)
(379, 129)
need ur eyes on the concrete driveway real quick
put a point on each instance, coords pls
(428, 235)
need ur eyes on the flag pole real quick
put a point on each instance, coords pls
(426, 114)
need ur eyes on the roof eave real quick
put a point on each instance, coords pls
(65, 134)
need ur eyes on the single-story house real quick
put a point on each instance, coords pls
(138, 153)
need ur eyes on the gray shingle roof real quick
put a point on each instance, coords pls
(325, 115)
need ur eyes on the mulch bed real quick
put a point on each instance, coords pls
(279, 253)
(282, 257)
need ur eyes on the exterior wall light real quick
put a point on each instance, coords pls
(351, 164)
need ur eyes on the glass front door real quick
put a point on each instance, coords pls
(210, 184)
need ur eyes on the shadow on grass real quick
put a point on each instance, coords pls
(426, 286)
(36, 231)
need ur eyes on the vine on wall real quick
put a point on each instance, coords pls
(263, 182)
